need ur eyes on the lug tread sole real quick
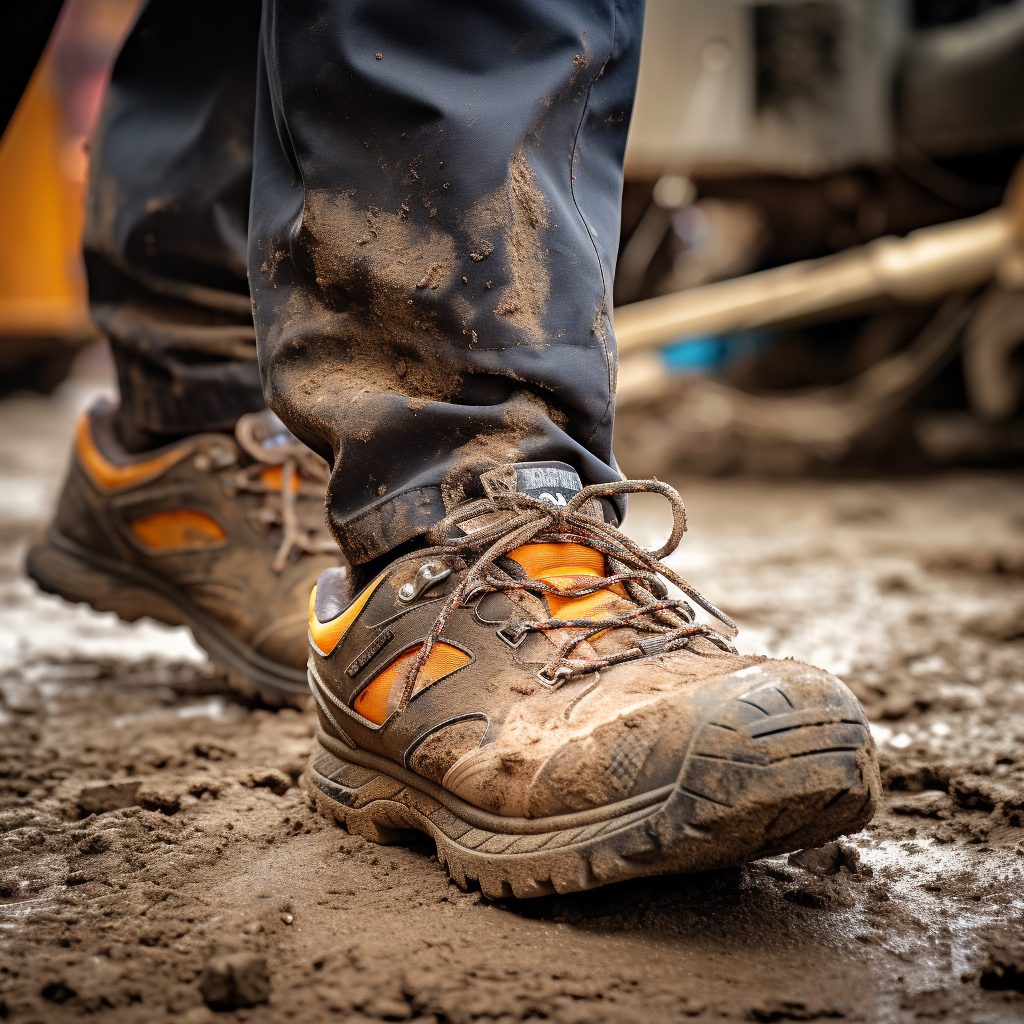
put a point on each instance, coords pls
(61, 568)
(758, 792)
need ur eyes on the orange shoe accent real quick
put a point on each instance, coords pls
(180, 530)
(444, 659)
(111, 476)
(569, 565)
(325, 636)
(273, 479)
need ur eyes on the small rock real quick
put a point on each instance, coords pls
(830, 859)
(928, 803)
(820, 896)
(232, 981)
(270, 778)
(1002, 970)
(159, 798)
(100, 797)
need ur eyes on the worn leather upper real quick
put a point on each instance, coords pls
(202, 518)
(485, 724)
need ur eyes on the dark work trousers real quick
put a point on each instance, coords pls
(426, 197)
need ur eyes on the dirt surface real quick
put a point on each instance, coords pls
(159, 860)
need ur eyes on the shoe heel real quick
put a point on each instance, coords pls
(358, 799)
(58, 567)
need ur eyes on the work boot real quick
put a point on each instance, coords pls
(223, 534)
(530, 693)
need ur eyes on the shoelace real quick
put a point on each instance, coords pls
(299, 467)
(671, 622)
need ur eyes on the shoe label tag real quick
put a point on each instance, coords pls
(552, 482)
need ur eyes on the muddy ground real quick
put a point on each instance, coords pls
(158, 856)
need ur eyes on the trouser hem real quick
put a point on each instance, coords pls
(156, 409)
(401, 517)
(389, 523)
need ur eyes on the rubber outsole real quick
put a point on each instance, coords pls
(59, 566)
(762, 776)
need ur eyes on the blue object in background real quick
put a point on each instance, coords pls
(713, 352)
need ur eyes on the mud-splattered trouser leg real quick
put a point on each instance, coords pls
(168, 210)
(434, 220)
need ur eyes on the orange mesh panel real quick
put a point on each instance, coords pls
(111, 476)
(180, 530)
(327, 635)
(372, 703)
(568, 565)
(273, 479)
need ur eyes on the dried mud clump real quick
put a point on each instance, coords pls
(370, 263)
(830, 859)
(376, 324)
(480, 253)
(518, 212)
(233, 981)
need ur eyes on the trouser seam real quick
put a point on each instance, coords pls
(597, 252)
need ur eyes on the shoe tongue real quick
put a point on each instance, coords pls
(555, 483)
(568, 564)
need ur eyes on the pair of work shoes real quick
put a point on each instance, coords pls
(549, 702)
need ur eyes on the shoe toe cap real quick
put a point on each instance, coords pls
(736, 730)
(765, 712)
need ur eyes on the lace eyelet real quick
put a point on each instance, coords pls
(652, 645)
(427, 576)
(512, 634)
(555, 680)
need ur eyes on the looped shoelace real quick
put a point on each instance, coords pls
(639, 571)
(299, 465)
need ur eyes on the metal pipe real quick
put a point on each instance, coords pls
(925, 265)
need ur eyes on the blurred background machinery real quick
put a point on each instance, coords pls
(821, 257)
(770, 314)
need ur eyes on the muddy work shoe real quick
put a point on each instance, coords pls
(530, 694)
(223, 534)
